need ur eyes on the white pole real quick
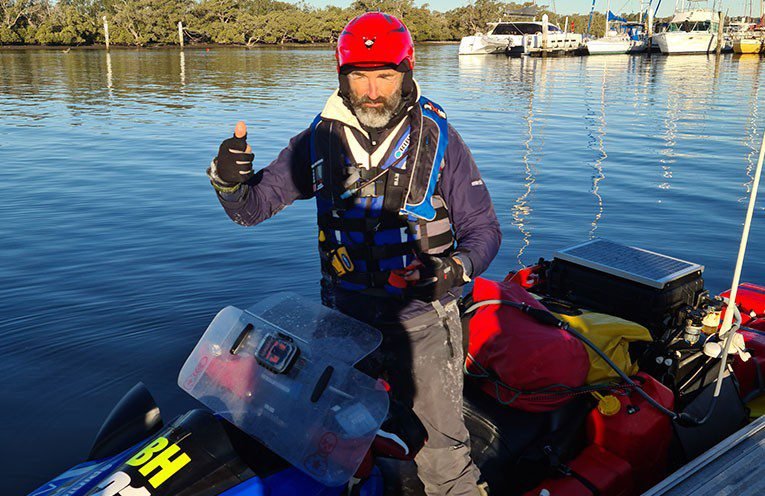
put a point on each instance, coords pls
(106, 32)
(608, 9)
(728, 320)
(545, 23)
(180, 32)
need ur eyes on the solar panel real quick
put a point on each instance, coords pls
(634, 264)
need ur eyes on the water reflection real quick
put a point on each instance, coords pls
(669, 136)
(522, 208)
(750, 65)
(183, 68)
(598, 164)
(109, 73)
(124, 223)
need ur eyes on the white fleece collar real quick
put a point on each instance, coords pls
(336, 110)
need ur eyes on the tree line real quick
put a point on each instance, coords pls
(245, 22)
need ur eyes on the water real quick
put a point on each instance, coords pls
(115, 254)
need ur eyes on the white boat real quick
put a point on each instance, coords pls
(483, 44)
(508, 37)
(612, 43)
(693, 31)
(636, 33)
(639, 46)
(537, 42)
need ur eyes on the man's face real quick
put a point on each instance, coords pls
(375, 95)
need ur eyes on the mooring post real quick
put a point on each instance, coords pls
(180, 32)
(721, 18)
(545, 23)
(106, 32)
(649, 29)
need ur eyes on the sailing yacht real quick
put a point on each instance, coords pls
(750, 37)
(690, 31)
(613, 41)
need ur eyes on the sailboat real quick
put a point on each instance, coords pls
(751, 39)
(613, 40)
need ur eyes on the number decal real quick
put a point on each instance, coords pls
(156, 458)
(118, 484)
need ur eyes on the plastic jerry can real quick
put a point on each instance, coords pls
(594, 471)
(638, 433)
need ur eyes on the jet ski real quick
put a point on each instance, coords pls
(286, 414)
(630, 384)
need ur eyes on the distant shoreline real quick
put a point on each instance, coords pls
(196, 46)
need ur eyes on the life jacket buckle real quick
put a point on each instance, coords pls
(340, 261)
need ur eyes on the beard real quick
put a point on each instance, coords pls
(375, 117)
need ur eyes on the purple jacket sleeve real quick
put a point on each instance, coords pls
(472, 214)
(286, 179)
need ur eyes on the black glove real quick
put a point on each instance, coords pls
(233, 164)
(437, 276)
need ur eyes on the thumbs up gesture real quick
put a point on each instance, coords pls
(234, 160)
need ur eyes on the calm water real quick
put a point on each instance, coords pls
(115, 254)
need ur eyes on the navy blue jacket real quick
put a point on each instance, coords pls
(475, 225)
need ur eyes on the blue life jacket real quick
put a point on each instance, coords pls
(382, 216)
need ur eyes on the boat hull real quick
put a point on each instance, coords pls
(682, 42)
(638, 46)
(748, 45)
(608, 47)
(482, 45)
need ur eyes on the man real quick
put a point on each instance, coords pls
(404, 220)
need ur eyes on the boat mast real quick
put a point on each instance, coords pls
(589, 21)
(608, 12)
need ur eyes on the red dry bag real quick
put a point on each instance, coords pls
(522, 363)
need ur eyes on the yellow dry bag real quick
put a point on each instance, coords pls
(612, 335)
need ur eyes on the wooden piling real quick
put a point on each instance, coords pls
(106, 32)
(721, 19)
(180, 32)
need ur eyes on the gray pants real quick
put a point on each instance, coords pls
(424, 360)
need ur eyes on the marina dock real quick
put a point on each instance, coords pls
(732, 467)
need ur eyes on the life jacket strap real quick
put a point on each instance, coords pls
(377, 279)
(367, 224)
(374, 253)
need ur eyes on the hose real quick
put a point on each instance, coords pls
(545, 317)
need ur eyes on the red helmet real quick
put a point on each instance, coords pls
(375, 39)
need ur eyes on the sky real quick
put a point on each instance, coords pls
(733, 7)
